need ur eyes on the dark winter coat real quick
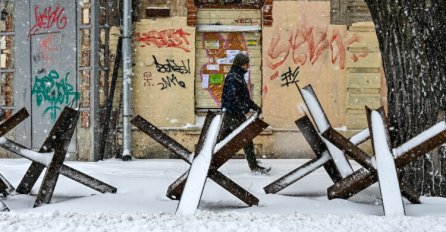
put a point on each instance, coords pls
(235, 98)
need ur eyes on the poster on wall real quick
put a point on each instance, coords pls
(216, 79)
(205, 81)
(221, 48)
(211, 44)
(230, 54)
(213, 67)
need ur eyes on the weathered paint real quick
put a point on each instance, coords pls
(342, 64)
(163, 82)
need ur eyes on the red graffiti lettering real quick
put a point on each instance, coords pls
(308, 45)
(49, 17)
(148, 79)
(274, 76)
(265, 91)
(338, 49)
(279, 50)
(169, 38)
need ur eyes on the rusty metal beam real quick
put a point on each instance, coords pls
(87, 180)
(35, 169)
(349, 148)
(163, 139)
(323, 159)
(13, 121)
(317, 145)
(175, 190)
(427, 146)
(233, 188)
(297, 174)
(206, 125)
(225, 153)
(50, 179)
(238, 142)
(61, 140)
(5, 187)
(363, 178)
(3, 207)
(58, 141)
(360, 180)
(65, 170)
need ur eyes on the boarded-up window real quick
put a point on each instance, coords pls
(215, 51)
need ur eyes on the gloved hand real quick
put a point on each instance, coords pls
(260, 116)
(258, 110)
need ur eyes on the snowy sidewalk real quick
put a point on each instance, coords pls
(141, 204)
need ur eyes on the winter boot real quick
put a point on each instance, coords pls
(259, 170)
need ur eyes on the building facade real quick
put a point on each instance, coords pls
(181, 52)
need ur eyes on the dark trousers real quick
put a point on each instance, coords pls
(230, 123)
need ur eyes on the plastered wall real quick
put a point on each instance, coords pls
(163, 82)
(301, 47)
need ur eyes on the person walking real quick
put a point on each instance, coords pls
(236, 103)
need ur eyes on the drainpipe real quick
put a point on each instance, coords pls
(127, 79)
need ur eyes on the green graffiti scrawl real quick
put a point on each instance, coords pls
(47, 89)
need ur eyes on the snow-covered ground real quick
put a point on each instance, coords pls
(141, 204)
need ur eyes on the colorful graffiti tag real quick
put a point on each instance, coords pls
(48, 18)
(170, 38)
(54, 91)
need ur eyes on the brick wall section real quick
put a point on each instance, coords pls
(267, 12)
(191, 13)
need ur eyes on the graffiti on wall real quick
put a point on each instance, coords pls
(246, 21)
(54, 91)
(170, 67)
(305, 45)
(290, 77)
(169, 81)
(47, 18)
(148, 79)
(169, 38)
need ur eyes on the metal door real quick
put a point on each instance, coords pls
(53, 61)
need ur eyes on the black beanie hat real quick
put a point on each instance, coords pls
(240, 59)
